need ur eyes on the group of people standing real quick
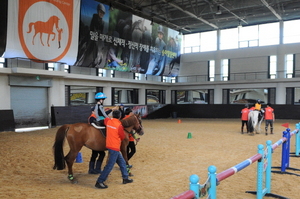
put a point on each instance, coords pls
(114, 132)
(267, 113)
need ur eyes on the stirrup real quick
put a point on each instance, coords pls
(98, 127)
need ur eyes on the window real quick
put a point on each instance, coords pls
(269, 34)
(248, 36)
(229, 39)
(211, 70)
(173, 79)
(66, 68)
(100, 72)
(191, 43)
(208, 41)
(225, 69)
(272, 66)
(50, 66)
(291, 31)
(136, 76)
(289, 65)
(112, 73)
(2, 62)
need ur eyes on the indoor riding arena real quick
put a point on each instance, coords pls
(165, 159)
(191, 71)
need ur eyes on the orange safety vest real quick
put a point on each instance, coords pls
(269, 113)
(114, 133)
(245, 113)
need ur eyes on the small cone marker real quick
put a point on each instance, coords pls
(189, 136)
(179, 121)
(79, 158)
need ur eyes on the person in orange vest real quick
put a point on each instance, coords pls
(95, 168)
(131, 149)
(244, 117)
(269, 118)
(252, 108)
(114, 137)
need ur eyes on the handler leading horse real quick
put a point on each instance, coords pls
(83, 134)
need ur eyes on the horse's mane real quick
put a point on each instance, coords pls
(127, 122)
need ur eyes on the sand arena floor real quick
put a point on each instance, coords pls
(164, 161)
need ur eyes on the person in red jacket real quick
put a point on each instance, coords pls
(269, 118)
(114, 136)
(244, 118)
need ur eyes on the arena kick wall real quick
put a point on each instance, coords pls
(219, 111)
(64, 115)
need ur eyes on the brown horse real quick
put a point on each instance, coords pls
(83, 134)
(44, 27)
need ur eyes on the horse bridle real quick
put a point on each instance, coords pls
(138, 131)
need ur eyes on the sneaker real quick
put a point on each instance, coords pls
(125, 181)
(129, 166)
(101, 185)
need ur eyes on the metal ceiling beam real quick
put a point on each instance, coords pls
(191, 14)
(271, 9)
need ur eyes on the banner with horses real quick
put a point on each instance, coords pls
(43, 30)
(115, 40)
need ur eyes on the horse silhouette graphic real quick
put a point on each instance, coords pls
(47, 28)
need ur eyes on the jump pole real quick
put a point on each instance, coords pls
(285, 155)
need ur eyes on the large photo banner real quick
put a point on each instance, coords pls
(117, 40)
(43, 30)
(3, 25)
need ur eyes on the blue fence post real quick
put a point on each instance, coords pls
(194, 184)
(297, 144)
(212, 191)
(260, 170)
(284, 151)
(288, 147)
(269, 166)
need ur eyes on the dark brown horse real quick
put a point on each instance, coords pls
(83, 134)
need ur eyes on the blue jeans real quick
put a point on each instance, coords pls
(113, 157)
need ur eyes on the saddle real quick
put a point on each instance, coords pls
(98, 127)
(103, 128)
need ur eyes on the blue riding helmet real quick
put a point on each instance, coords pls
(100, 96)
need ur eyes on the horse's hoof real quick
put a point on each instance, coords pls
(72, 179)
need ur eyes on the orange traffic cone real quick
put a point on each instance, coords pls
(179, 121)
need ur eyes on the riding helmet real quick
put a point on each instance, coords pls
(100, 95)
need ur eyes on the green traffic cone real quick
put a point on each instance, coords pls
(189, 136)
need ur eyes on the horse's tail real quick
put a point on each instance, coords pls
(30, 27)
(58, 151)
(250, 125)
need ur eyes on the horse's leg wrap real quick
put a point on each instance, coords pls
(70, 177)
